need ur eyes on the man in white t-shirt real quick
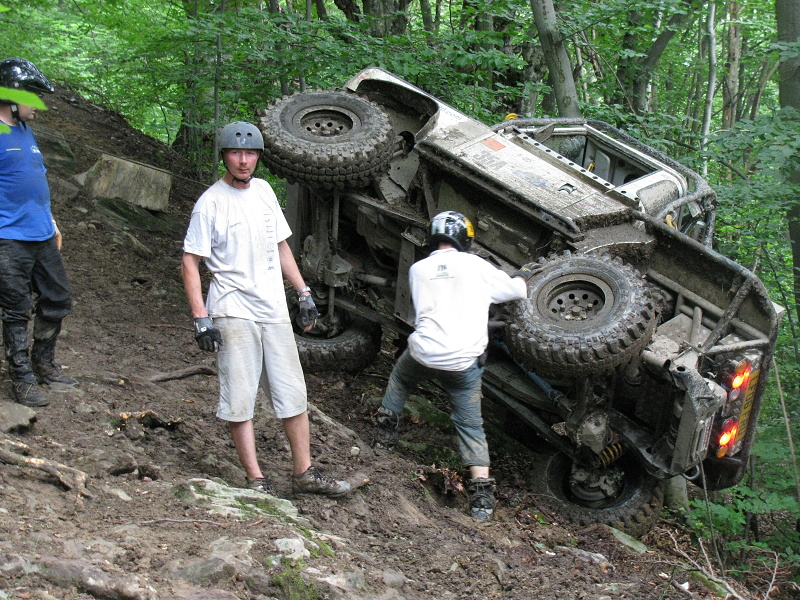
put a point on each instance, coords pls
(238, 229)
(452, 291)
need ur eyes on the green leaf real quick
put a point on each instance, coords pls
(22, 97)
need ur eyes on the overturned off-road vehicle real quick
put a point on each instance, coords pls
(641, 353)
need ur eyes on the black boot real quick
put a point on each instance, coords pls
(23, 381)
(388, 422)
(43, 353)
(481, 499)
(28, 394)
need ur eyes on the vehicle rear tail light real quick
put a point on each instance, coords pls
(739, 380)
(727, 436)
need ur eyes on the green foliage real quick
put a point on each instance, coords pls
(291, 584)
(768, 146)
(729, 518)
(730, 522)
(22, 97)
(788, 51)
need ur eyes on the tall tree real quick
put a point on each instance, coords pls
(711, 84)
(787, 14)
(730, 85)
(641, 55)
(556, 57)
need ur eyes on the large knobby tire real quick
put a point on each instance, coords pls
(330, 139)
(355, 347)
(584, 315)
(635, 509)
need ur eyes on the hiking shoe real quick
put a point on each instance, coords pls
(481, 500)
(27, 394)
(260, 484)
(314, 482)
(387, 423)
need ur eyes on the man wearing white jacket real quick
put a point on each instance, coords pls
(452, 291)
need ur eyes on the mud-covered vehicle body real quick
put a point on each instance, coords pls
(640, 354)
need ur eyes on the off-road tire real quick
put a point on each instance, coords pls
(634, 511)
(329, 139)
(584, 314)
(353, 349)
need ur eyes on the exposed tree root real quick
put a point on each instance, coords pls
(71, 478)
(182, 373)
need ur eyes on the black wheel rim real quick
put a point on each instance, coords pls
(326, 122)
(571, 299)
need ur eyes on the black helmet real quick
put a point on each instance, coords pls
(241, 135)
(21, 74)
(452, 228)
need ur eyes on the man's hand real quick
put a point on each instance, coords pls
(307, 317)
(59, 239)
(207, 336)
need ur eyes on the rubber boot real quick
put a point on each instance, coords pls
(23, 381)
(43, 353)
(387, 422)
(481, 499)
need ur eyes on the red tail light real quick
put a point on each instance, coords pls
(727, 436)
(739, 380)
(742, 375)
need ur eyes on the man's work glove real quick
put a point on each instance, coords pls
(526, 271)
(307, 317)
(207, 336)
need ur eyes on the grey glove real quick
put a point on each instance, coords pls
(308, 312)
(207, 336)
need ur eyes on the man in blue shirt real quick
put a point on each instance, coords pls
(33, 281)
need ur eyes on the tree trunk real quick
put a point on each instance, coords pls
(556, 57)
(322, 11)
(730, 86)
(645, 68)
(627, 65)
(767, 71)
(787, 13)
(350, 9)
(712, 78)
(427, 15)
(388, 17)
(634, 74)
(191, 140)
(532, 72)
(695, 110)
(217, 85)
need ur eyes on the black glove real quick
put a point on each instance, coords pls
(526, 272)
(207, 336)
(308, 312)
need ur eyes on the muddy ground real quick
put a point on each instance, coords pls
(139, 528)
